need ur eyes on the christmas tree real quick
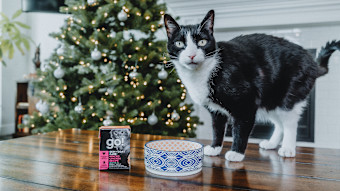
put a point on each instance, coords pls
(111, 70)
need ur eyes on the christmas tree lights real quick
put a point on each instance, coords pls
(111, 70)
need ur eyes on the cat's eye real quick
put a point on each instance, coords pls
(202, 42)
(179, 44)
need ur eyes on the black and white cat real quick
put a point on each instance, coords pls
(249, 78)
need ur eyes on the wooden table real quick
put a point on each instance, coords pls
(68, 160)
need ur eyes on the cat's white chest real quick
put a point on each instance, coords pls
(197, 81)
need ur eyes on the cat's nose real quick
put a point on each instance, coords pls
(192, 57)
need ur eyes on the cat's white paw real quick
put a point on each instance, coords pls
(265, 144)
(234, 156)
(212, 151)
(286, 152)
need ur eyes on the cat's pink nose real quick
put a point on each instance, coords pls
(192, 57)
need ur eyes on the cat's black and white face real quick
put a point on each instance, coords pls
(118, 134)
(191, 45)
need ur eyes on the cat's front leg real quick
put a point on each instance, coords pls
(241, 131)
(219, 125)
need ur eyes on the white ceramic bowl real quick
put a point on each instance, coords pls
(173, 157)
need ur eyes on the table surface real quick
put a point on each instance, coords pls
(68, 160)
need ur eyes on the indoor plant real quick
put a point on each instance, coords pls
(11, 36)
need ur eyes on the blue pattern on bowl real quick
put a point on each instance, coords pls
(173, 161)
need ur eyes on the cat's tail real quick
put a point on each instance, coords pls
(324, 55)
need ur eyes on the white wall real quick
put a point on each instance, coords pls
(20, 66)
(327, 118)
(42, 24)
(10, 74)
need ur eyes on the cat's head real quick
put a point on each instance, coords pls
(119, 133)
(191, 45)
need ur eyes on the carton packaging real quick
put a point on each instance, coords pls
(114, 147)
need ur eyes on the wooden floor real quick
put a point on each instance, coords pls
(68, 160)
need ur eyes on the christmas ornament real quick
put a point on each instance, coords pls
(42, 107)
(122, 24)
(59, 72)
(133, 74)
(107, 121)
(79, 108)
(162, 74)
(175, 116)
(91, 2)
(61, 50)
(152, 119)
(112, 34)
(109, 90)
(96, 54)
(122, 16)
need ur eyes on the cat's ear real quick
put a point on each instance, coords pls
(170, 25)
(208, 22)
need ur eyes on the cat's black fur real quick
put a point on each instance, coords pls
(256, 71)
